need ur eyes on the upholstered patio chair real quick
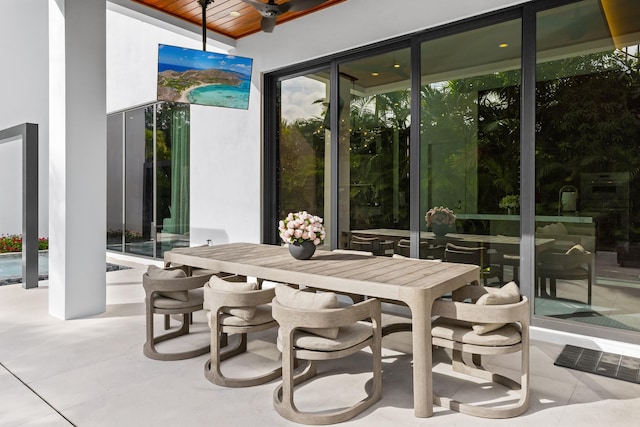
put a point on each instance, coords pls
(478, 256)
(574, 264)
(371, 244)
(236, 307)
(427, 249)
(170, 292)
(491, 322)
(312, 328)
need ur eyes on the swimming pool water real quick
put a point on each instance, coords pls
(11, 265)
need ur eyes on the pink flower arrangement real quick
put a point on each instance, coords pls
(301, 226)
(440, 216)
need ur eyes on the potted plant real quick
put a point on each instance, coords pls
(511, 203)
(441, 220)
(303, 232)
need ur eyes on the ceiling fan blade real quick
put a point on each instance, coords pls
(299, 5)
(268, 23)
(270, 9)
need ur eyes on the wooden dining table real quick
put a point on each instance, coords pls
(416, 283)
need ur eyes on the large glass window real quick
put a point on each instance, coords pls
(587, 163)
(148, 179)
(374, 152)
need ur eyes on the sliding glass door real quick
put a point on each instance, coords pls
(373, 160)
(587, 163)
(469, 129)
(470, 146)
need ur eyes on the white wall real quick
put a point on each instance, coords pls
(225, 158)
(355, 23)
(10, 186)
(24, 77)
(132, 58)
(77, 172)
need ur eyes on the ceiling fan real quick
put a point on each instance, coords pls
(270, 10)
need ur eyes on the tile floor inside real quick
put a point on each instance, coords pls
(91, 372)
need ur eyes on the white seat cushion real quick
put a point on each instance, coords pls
(262, 316)
(348, 336)
(158, 273)
(296, 298)
(460, 331)
(245, 313)
(195, 298)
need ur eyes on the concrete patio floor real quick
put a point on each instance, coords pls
(91, 372)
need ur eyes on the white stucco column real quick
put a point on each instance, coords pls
(77, 157)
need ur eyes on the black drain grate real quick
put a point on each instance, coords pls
(598, 362)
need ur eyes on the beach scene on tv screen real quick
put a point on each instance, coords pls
(205, 78)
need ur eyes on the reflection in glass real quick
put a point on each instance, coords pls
(587, 163)
(115, 182)
(148, 199)
(470, 148)
(304, 138)
(374, 152)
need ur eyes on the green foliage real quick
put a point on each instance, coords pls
(587, 120)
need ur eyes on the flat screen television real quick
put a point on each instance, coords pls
(205, 78)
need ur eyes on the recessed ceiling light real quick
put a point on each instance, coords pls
(375, 74)
(234, 13)
(503, 45)
(396, 65)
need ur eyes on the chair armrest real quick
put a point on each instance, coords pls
(216, 298)
(168, 285)
(293, 318)
(472, 292)
(505, 313)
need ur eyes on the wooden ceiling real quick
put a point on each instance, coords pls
(219, 19)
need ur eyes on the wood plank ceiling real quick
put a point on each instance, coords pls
(219, 18)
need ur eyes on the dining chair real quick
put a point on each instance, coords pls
(314, 328)
(477, 256)
(511, 260)
(481, 321)
(427, 250)
(236, 307)
(170, 292)
(574, 264)
(371, 244)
